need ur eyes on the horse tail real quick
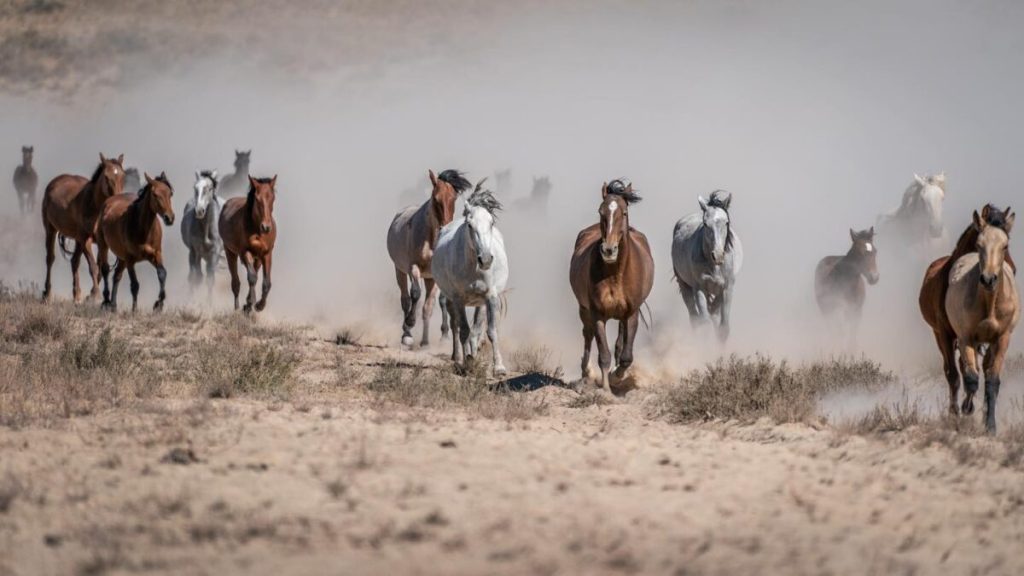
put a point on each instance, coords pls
(504, 305)
(61, 241)
(648, 320)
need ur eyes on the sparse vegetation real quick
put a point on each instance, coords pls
(234, 369)
(534, 360)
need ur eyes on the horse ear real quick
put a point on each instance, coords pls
(604, 190)
(976, 221)
(163, 175)
(872, 231)
(237, 153)
(198, 176)
(103, 159)
(1008, 226)
(919, 179)
(273, 182)
(149, 179)
(853, 235)
(213, 174)
(703, 203)
(252, 182)
(433, 178)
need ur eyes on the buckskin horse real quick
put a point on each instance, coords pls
(71, 205)
(412, 237)
(129, 226)
(611, 274)
(249, 232)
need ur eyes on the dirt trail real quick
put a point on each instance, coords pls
(345, 483)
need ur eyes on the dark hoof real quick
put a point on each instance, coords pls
(247, 309)
(261, 305)
(954, 410)
(158, 306)
(109, 306)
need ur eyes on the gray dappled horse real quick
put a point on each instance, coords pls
(199, 230)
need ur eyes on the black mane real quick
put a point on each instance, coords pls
(250, 198)
(484, 199)
(456, 180)
(620, 188)
(208, 174)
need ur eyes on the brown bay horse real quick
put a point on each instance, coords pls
(249, 232)
(26, 181)
(71, 205)
(412, 238)
(932, 300)
(839, 281)
(611, 274)
(129, 227)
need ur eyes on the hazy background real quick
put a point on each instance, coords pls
(814, 115)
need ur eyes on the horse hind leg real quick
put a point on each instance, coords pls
(479, 315)
(947, 347)
(76, 286)
(133, 278)
(445, 319)
(211, 269)
(94, 270)
(456, 338)
(620, 341)
(195, 273)
(51, 242)
(627, 330)
(236, 282)
(119, 268)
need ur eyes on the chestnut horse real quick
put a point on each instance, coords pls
(611, 274)
(932, 299)
(71, 205)
(412, 237)
(26, 181)
(983, 307)
(248, 230)
(128, 227)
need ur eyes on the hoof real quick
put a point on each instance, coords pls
(407, 341)
(500, 371)
(261, 305)
(158, 306)
(109, 306)
(424, 343)
(247, 309)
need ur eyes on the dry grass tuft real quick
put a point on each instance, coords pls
(746, 389)
(227, 370)
(534, 360)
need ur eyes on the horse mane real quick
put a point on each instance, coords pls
(620, 188)
(162, 178)
(250, 198)
(965, 244)
(484, 199)
(97, 173)
(456, 180)
(208, 174)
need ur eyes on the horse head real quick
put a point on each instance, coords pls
(541, 187)
(242, 161)
(864, 254)
(931, 192)
(717, 229)
(262, 192)
(110, 174)
(159, 192)
(993, 239)
(481, 214)
(205, 191)
(616, 197)
(447, 187)
(26, 155)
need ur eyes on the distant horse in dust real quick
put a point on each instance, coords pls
(918, 220)
(249, 232)
(412, 238)
(503, 181)
(611, 274)
(237, 183)
(129, 226)
(199, 230)
(132, 179)
(537, 201)
(839, 281)
(933, 303)
(71, 205)
(470, 266)
(706, 258)
(26, 181)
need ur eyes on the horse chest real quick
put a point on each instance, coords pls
(611, 299)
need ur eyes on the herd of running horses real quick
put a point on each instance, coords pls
(969, 298)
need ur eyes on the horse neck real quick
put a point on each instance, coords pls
(433, 224)
(25, 162)
(142, 213)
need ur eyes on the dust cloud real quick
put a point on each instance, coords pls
(814, 115)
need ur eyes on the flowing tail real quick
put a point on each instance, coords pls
(61, 239)
(650, 315)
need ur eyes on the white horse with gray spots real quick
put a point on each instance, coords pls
(470, 266)
(199, 230)
(707, 256)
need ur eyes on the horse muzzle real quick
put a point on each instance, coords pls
(873, 278)
(610, 254)
(989, 281)
(484, 262)
(201, 214)
(265, 228)
(168, 219)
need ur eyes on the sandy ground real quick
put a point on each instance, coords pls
(341, 483)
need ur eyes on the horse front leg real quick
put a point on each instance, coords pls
(430, 295)
(236, 282)
(94, 269)
(407, 307)
(725, 313)
(701, 305)
(104, 265)
(133, 278)
(211, 270)
(969, 370)
(627, 330)
(588, 340)
(119, 267)
(161, 276)
(604, 356)
(479, 315)
(445, 320)
(195, 267)
(268, 260)
(250, 275)
(493, 311)
(459, 315)
(76, 260)
(993, 368)
(457, 352)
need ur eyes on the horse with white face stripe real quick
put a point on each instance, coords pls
(470, 266)
(706, 257)
(839, 281)
(200, 232)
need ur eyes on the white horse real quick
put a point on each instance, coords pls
(918, 220)
(470, 266)
(199, 230)
(706, 257)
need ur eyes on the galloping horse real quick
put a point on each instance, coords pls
(128, 227)
(248, 230)
(132, 180)
(470, 267)
(611, 274)
(235, 184)
(983, 307)
(537, 201)
(71, 205)
(26, 181)
(412, 237)
(706, 258)
(199, 230)
(918, 220)
(839, 280)
(932, 299)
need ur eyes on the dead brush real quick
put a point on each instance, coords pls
(534, 360)
(229, 369)
(746, 389)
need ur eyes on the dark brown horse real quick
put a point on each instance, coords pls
(611, 274)
(26, 181)
(932, 299)
(839, 281)
(248, 230)
(71, 206)
(128, 227)
(412, 237)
